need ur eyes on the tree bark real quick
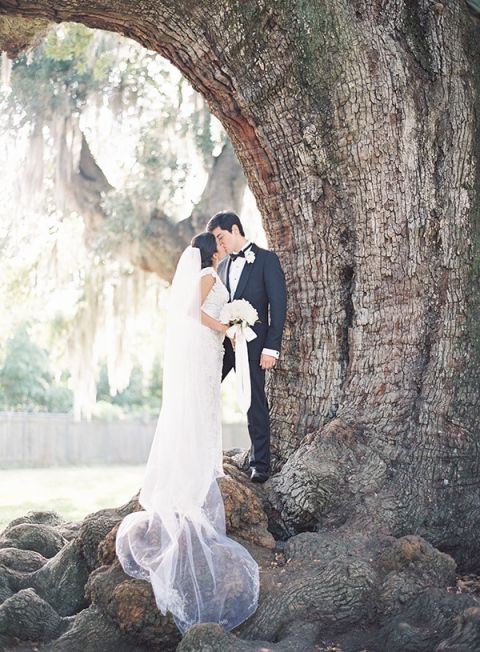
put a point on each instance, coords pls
(356, 124)
(372, 591)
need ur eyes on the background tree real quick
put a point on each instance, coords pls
(26, 382)
(356, 124)
(76, 73)
(77, 92)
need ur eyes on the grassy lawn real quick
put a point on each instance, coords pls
(72, 491)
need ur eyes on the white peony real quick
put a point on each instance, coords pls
(250, 256)
(238, 312)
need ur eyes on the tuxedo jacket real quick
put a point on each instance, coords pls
(262, 283)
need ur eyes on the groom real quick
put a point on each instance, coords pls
(254, 274)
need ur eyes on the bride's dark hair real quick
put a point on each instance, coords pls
(207, 244)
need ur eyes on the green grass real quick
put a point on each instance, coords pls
(72, 491)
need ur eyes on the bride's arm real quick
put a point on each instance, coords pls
(206, 284)
(213, 323)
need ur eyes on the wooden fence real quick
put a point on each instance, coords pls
(31, 440)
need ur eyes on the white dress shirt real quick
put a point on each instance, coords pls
(236, 268)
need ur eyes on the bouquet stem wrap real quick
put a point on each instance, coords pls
(243, 334)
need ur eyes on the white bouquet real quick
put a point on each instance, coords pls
(239, 311)
(240, 315)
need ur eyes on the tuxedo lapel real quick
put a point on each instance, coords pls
(227, 274)
(245, 275)
(223, 270)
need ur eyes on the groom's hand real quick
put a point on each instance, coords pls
(267, 361)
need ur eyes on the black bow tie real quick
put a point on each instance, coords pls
(241, 254)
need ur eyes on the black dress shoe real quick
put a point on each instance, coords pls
(258, 476)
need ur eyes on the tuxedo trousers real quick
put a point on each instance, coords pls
(258, 417)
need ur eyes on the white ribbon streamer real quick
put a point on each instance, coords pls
(243, 334)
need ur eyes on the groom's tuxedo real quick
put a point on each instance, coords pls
(262, 283)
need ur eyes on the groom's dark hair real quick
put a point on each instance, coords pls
(225, 220)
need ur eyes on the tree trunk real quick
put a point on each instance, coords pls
(356, 126)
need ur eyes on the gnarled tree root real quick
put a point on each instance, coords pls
(334, 586)
(26, 616)
(72, 591)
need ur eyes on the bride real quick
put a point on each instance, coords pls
(179, 542)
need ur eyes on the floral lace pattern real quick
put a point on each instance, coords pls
(212, 345)
(178, 542)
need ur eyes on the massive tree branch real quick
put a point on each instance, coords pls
(18, 34)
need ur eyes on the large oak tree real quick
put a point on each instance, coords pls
(356, 124)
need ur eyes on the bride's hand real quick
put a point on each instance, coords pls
(223, 330)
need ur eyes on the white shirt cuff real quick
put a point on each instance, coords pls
(272, 352)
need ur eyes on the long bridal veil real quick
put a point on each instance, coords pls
(179, 542)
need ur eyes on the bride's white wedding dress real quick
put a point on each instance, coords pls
(179, 542)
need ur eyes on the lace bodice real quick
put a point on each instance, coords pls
(217, 297)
